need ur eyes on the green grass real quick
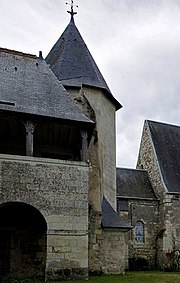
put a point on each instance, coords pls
(134, 277)
(130, 277)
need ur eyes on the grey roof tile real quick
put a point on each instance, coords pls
(28, 85)
(110, 218)
(134, 183)
(73, 64)
(166, 141)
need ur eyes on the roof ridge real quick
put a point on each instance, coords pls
(68, 31)
(10, 51)
(161, 123)
(132, 169)
(94, 65)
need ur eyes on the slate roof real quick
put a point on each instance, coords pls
(28, 85)
(166, 142)
(110, 218)
(133, 183)
(73, 64)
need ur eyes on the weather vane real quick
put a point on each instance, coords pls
(72, 8)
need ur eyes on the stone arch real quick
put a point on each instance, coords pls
(22, 241)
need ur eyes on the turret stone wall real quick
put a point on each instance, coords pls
(105, 125)
(107, 249)
(103, 148)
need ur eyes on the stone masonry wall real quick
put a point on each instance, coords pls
(168, 256)
(102, 180)
(167, 227)
(59, 190)
(105, 125)
(147, 212)
(103, 147)
(113, 251)
(148, 161)
(107, 249)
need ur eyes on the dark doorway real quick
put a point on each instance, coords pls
(22, 241)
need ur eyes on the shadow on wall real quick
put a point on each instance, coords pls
(138, 263)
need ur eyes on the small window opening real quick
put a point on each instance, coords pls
(7, 103)
(123, 205)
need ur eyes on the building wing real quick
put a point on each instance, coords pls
(166, 143)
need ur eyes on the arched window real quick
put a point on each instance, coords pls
(139, 232)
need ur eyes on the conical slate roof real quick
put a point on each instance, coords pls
(73, 64)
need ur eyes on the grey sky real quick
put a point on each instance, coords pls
(135, 43)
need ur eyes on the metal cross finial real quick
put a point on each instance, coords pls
(72, 8)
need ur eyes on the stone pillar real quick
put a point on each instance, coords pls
(84, 150)
(29, 137)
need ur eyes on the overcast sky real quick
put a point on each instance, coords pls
(135, 43)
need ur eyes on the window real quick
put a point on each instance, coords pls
(123, 205)
(139, 232)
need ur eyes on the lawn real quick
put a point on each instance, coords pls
(130, 277)
(134, 277)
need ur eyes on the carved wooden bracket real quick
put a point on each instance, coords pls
(30, 126)
(84, 150)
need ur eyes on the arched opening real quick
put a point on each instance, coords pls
(139, 232)
(22, 241)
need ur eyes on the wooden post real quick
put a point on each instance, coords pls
(84, 150)
(29, 137)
